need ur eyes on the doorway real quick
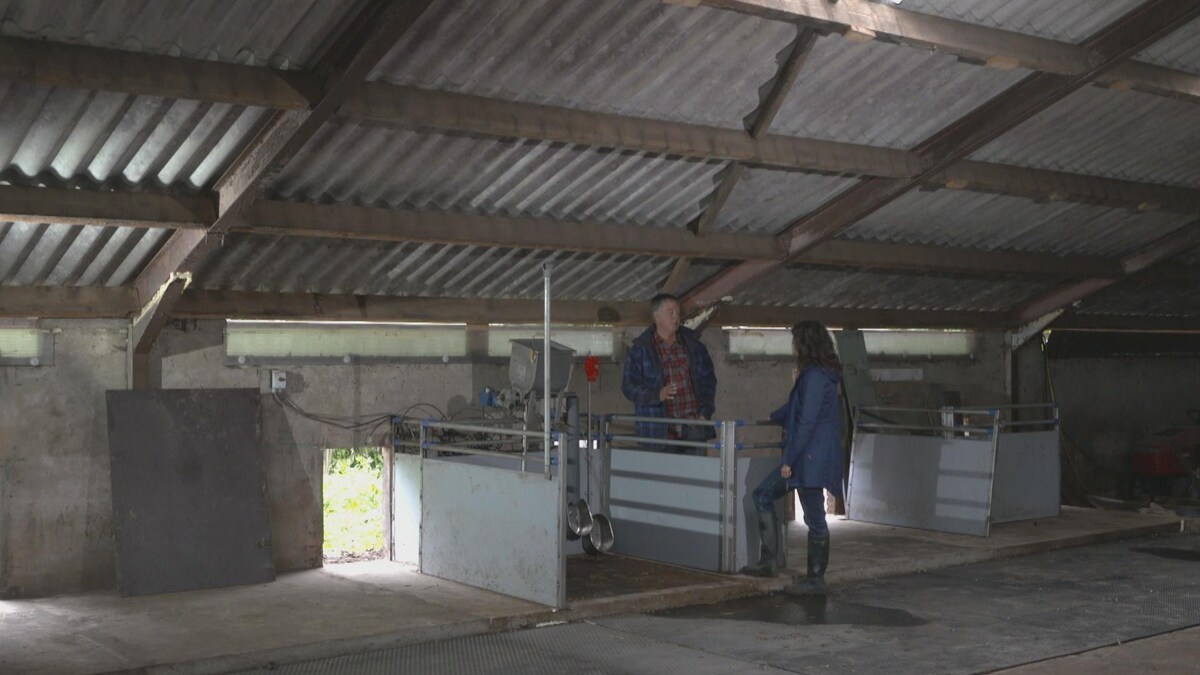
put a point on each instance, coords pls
(354, 504)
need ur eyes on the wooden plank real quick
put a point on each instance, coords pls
(748, 315)
(426, 110)
(943, 259)
(57, 64)
(1041, 184)
(1070, 293)
(297, 219)
(1151, 79)
(354, 222)
(93, 302)
(1152, 324)
(923, 31)
(1110, 47)
(103, 208)
(199, 304)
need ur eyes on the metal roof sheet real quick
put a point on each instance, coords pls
(1117, 134)
(41, 254)
(804, 286)
(1179, 50)
(292, 265)
(1064, 20)
(881, 94)
(766, 201)
(278, 33)
(1147, 295)
(963, 219)
(349, 162)
(637, 58)
(54, 135)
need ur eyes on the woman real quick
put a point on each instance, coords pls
(812, 457)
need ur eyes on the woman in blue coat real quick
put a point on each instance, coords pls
(812, 456)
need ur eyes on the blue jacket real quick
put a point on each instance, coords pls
(812, 436)
(643, 379)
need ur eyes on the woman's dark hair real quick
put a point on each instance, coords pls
(813, 346)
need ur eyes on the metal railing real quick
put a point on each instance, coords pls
(957, 421)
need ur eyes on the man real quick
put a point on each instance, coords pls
(668, 373)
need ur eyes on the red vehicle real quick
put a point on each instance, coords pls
(1166, 462)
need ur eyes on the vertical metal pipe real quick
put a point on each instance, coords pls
(546, 360)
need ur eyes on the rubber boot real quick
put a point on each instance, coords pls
(818, 560)
(768, 533)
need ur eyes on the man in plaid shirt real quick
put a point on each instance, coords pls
(669, 373)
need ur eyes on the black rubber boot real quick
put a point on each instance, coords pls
(818, 561)
(768, 533)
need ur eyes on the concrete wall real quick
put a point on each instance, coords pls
(56, 529)
(56, 532)
(1109, 405)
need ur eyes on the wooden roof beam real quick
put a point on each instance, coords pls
(976, 43)
(297, 219)
(1183, 239)
(369, 37)
(1108, 48)
(758, 122)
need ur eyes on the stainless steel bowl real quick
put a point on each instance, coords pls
(579, 518)
(601, 536)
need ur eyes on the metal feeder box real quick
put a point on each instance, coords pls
(525, 365)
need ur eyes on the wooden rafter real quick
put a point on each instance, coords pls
(1110, 47)
(1187, 237)
(99, 302)
(758, 123)
(413, 108)
(296, 219)
(976, 43)
(300, 306)
(373, 32)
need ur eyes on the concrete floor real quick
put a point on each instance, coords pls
(1176, 653)
(365, 606)
(963, 620)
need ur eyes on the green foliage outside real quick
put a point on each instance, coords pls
(353, 496)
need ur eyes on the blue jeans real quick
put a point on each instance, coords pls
(812, 501)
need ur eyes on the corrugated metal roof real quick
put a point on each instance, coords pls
(56, 136)
(1179, 50)
(278, 33)
(1117, 134)
(849, 289)
(362, 164)
(965, 219)
(1147, 295)
(638, 58)
(1064, 20)
(881, 94)
(766, 201)
(277, 264)
(40, 254)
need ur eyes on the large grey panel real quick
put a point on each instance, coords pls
(667, 507)
(921, 481)
(406, 508)
(492, 528)
(189, 497)
(1027, 476)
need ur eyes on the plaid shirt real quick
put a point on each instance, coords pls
(684, 405)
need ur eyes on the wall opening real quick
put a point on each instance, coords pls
(353, 494)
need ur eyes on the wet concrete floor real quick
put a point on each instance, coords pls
(819, 610)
